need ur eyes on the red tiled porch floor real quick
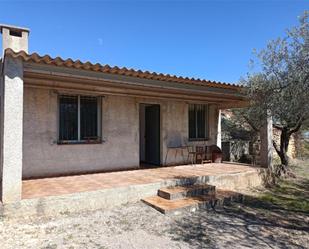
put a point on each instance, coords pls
(91, 182)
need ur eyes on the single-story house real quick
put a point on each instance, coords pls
(60, 116)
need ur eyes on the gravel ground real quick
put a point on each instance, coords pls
(139, 226)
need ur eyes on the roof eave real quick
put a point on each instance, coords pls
(35, 58)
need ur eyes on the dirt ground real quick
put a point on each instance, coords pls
(273, 218)
(139, 226)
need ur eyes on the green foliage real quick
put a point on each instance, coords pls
(233, 129)
(281, 87)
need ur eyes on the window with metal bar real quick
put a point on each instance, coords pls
(198, 121)
(79, 118)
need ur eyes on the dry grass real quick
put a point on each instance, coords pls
(291, 193)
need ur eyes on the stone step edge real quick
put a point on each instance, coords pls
(211, 203)
(222, 198)
(191, 191)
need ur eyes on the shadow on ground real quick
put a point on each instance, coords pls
(276, 218)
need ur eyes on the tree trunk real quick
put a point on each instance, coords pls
(284, 145)
(284, 158)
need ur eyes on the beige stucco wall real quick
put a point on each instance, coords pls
(42, 156)
(175, 129)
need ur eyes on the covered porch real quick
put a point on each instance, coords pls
(88, 192)
(224, 175)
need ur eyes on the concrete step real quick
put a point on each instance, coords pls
(180, 192)
(181, 205)
(191, 204)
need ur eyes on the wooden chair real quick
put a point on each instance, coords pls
(191, 154)
(200, 153)
(207, 158)
(195, 153)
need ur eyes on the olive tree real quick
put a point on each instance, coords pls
(281, 86)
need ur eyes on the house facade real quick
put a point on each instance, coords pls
(61, 117)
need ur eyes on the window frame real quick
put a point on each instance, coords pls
(99, 120)
(206, 125)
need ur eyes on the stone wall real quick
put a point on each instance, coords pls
(292, 149)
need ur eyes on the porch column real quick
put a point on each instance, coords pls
(266, 136)
(219, 144)
(12, 130)
(12, 91)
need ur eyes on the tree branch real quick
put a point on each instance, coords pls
(306, 78)
(276, 147)
(279, 81)
(250, 123)
(297, 126)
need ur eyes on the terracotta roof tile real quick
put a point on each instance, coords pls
(58, 61)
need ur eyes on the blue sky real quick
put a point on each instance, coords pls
(203, 39)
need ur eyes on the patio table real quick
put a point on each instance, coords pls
(177, 149)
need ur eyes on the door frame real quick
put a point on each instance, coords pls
(144, 104)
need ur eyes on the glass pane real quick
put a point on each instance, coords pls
(200, 116)
(68, 118)
(192, 123)
(88, 118)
